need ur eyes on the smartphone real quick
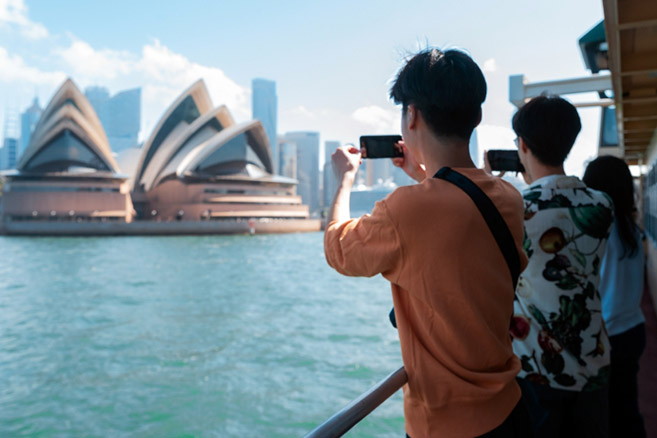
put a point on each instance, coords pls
(505, 160)
(381, 146)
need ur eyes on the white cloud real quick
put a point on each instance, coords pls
(380, 119)
(302, 111)
(86, 62)
(13, 13)
(15, 70)
(162, 74)
(489, 66)
(495, 137)
(174, 71)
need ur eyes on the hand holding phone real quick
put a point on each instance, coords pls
(381, 146)
(409, 164)
(505, 160)
(345, 161)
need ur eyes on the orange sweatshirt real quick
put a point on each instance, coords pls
(453, 298)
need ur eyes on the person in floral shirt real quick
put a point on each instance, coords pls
(557, 328)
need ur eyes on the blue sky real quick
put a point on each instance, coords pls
(332, 61)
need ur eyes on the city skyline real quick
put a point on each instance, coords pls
(339, 91)
(307, 145)
(198, 166)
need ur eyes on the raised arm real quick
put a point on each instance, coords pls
(346, 160)
(358, 247)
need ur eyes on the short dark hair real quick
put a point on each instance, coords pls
(448, 88)
(549, 126)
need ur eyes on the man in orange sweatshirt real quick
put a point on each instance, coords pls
(452, 289)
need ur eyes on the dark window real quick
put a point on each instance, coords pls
(231, 158)
(71, 102)
(63, 153)
(187, 111)
(608, 128)
(210, 128)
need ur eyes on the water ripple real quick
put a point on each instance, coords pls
(249, 336)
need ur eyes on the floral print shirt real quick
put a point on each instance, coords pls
(557, 328)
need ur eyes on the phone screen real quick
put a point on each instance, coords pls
(502, 159)
(381, 146)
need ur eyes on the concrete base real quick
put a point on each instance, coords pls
(145, 228)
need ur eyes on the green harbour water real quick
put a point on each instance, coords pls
(213, 336)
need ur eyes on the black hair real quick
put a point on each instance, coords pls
(548, 125)
(448, 88)
(612, 176)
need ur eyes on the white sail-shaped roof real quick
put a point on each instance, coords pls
(68, 134)
(174, 148)
(189, 106)
(241, 148)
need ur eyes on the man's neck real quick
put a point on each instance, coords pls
(440, 152)
(542, 171)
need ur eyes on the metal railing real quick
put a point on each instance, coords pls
(350, 415)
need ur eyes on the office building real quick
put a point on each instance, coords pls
(120, 115)
(98, 98)
(307, 144)
(287, 164)
(329, 185)
(9, 153)
(29, 120)
(265, 108)
(379, 172)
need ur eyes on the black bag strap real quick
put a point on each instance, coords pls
(493, 219)
(491, 215)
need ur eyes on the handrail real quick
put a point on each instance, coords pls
(350, 415)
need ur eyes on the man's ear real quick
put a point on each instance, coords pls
(412, 116)
(522, 145)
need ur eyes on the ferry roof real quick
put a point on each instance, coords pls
(631, 28)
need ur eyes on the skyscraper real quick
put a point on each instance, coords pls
(288, 159)
(124, 119)
(330, 184)
(379, 172)
(265, 108)
(9, 151)
(307, 144)
(120, 115)
(29, 120)
(98, 97)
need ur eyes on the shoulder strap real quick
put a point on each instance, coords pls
(493, 218)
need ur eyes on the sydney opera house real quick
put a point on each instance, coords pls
(199, 172)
